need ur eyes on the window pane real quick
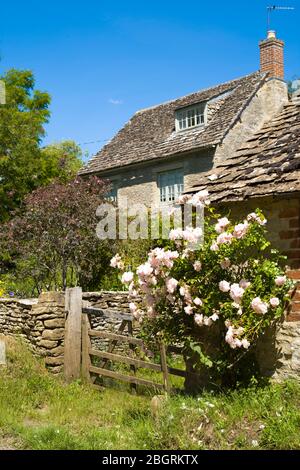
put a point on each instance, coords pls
(192, 117)
(170, 185)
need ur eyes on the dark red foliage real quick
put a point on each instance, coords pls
(54, 239)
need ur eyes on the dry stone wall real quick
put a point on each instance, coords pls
(40, 322)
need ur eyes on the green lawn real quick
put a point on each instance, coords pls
(38, 411)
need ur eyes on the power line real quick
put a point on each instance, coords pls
(94, 142)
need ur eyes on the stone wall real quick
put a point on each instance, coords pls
(266, 103)
(40, 323)
(139, 184)
(283, 215)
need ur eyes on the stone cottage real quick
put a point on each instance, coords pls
(239, 140)
(164, 150)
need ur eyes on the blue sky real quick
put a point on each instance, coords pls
(101, 61)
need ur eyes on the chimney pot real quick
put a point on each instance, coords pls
(271, 34)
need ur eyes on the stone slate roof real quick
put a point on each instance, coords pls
(151, 135)
(268, 164)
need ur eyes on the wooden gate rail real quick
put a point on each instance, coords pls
(78, 313)
(126, 378)
(126, 359)
(109, 356)
(99, 312)
(113, 336)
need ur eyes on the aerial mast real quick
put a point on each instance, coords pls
(273, 8)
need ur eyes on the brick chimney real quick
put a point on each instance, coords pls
(272, 56)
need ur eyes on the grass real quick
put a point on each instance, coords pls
(38, 411)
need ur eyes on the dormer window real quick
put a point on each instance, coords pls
(193, 116)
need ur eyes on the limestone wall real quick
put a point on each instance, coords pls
(40, 322)
(266, 103)
(278, 352)
(139, 184)
(283, 215)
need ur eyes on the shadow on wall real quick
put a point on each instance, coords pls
(269, 353)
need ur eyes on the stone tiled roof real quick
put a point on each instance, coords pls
(150, 134)
(268, 164)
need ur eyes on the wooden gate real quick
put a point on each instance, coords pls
(96, 361)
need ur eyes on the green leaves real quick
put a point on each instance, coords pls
(193, 348)
(221, 310)
(22, 121)
(53, 243)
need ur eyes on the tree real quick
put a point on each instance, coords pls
(61, 160)
(294, 84)
(53, 242)
(22, 121)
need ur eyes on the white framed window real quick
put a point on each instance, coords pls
(112, 195)
(170, 185)
(193, 116)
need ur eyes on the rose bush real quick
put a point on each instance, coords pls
(215, 300)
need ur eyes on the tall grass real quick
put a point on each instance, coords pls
(38, 411)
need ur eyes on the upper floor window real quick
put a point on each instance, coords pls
(190, 117)
(170, 185)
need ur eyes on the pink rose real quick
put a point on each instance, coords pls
(245, 284)
(175, 234)
(232, 336)
(224, 238)
(256, 218)
(225, 263)
(116, 262)
(245, 343)
(144, 270)
(214, 247)
(197, 266)
(240, 230)
(280, 281)
(197, 301)
(198, 319)
(188, 310)
(132, 307)
(222, 225)
(182, 291)
(127, 278)
(259, 306)
(199, 199)
(208, 321)
(236, 293)
(214, 317)
(274, 302)
(224, 286)
(171, 285)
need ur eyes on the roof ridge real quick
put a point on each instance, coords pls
(146, 136)
(202, 90)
